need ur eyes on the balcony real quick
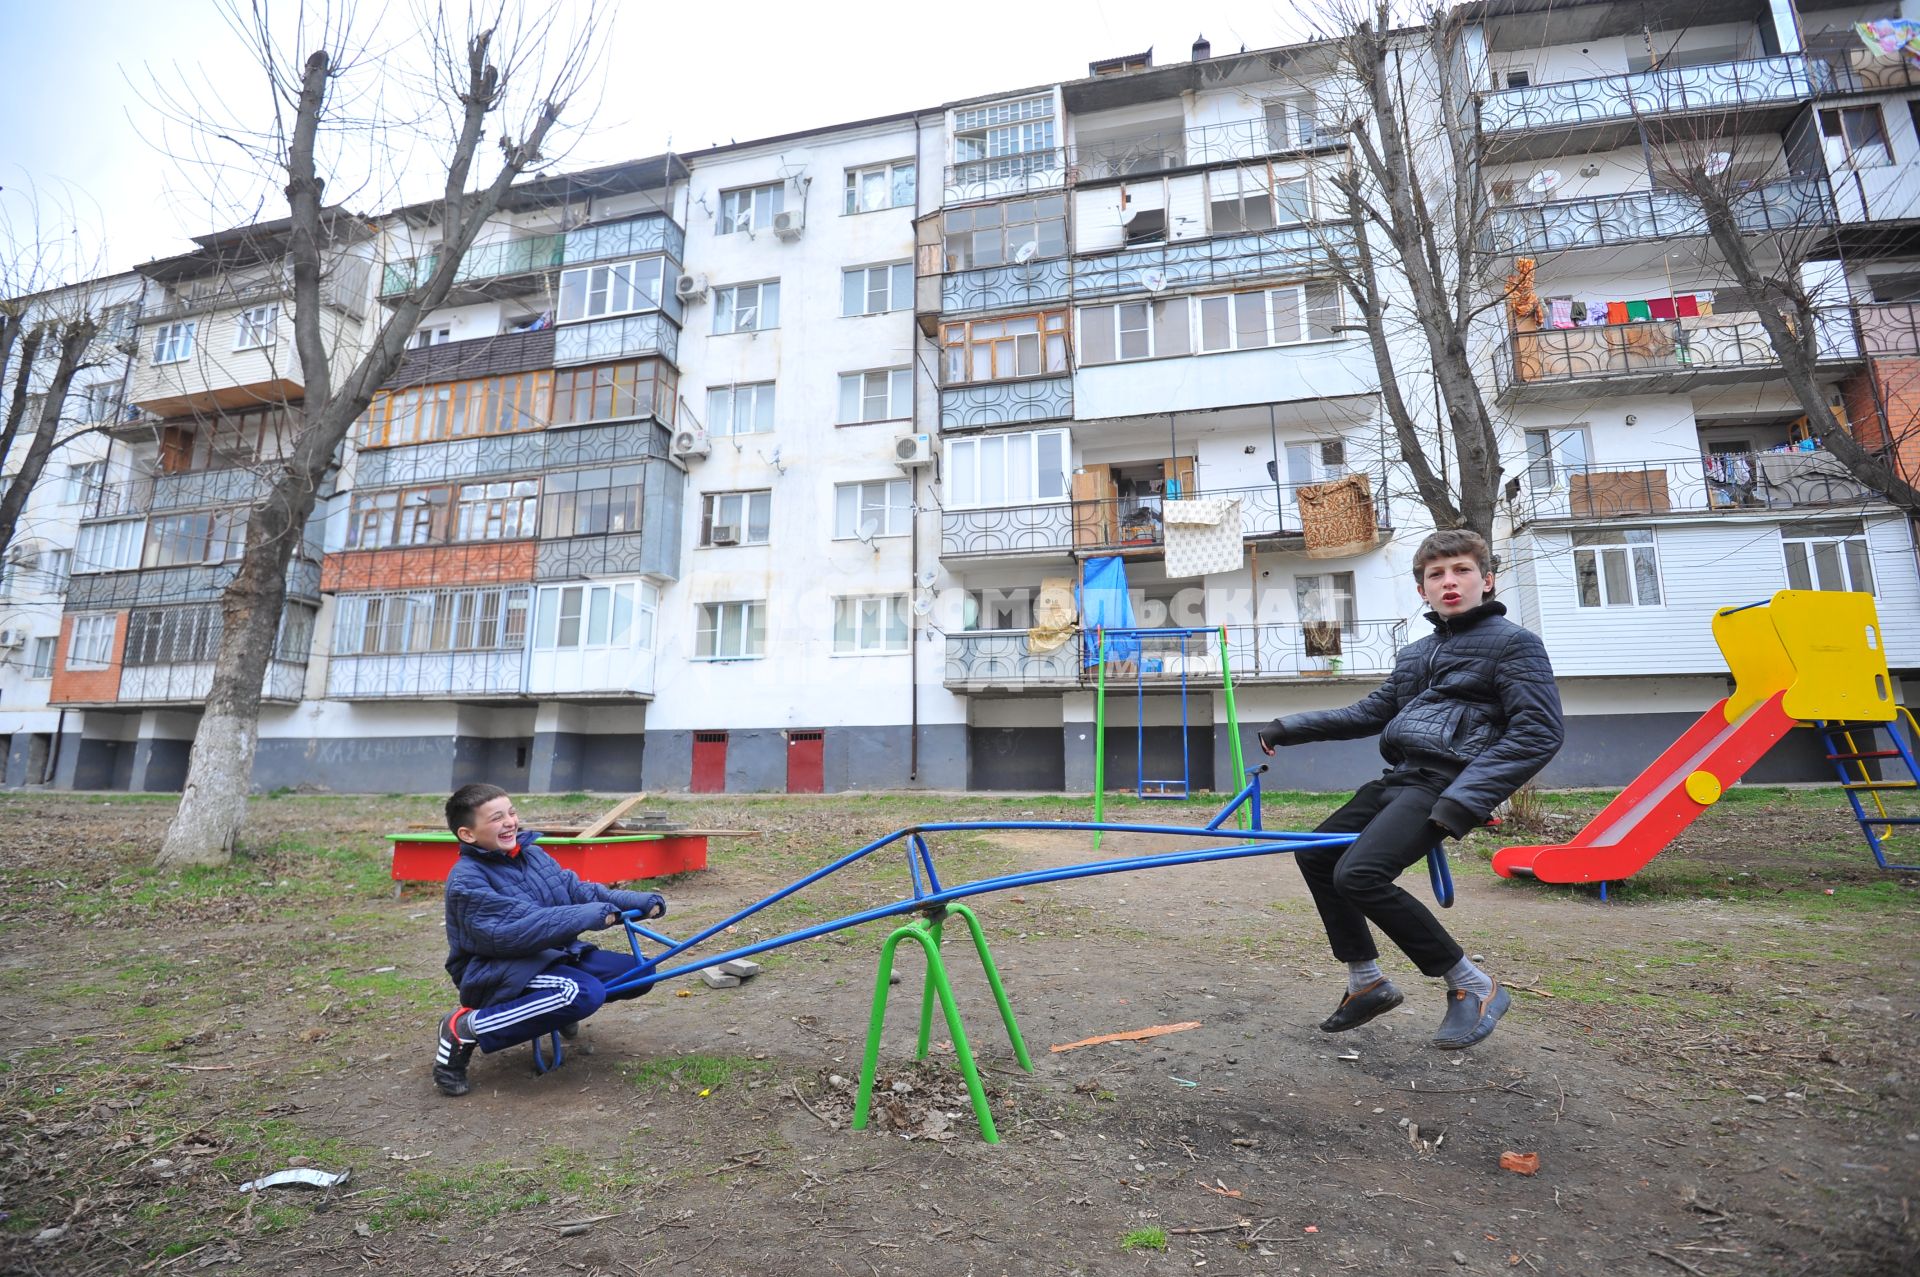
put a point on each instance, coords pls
(524, 452)
(497, 675)
(989, 288)
(1889, 329)
(155, 587)
(625, 338)
(1222, 262)
(999, 403)
(1541, 120)
(190, 683)
(1851, 67)
(629, 237)
(1635, 217)
(1161, 150)
(343, 286)
(486, 266)
(1654, 357)
(1005, 176)
(1725, 484)
(1005, 660)
(1062, 528)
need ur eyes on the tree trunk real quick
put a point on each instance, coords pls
(75, 336)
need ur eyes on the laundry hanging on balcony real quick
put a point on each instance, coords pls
(1337, 517)
(1203, 536)
(1105, 604)
(1895, 37)
(1053, 615)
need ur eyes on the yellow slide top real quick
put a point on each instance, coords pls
(1822, 647)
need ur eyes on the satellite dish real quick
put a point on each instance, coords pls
(927, 576)
(1153, 280)
(1717, 163)
(1543, 181)
(1027, 252)
(922, 602)
(869, 529)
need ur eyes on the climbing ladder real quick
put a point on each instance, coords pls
(1850, 762)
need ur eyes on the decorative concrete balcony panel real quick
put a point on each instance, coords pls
(428, 676)
(614, 554)
(1605, 221)
(191, 682)
(1005, 660)
(606, 339)
(1006, 176)
(1213, 263)
(144, 587)
(532, 450)
(1889, 329)
(483, 263)
(428, 566)
(990, 288)
(983, 660)
(1007, 531)
(207, 488)
(1005, 403)
(631, 237)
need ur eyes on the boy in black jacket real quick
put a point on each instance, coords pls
(1468, 715)
(514, 919)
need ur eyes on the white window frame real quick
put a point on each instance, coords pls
(1841, 149)
(1316, 593)
(762, 312)
(743, 408)
(173, 343)
(741, 503)
(607, 289)
(85, 481)
(1107, 330)
(889, 502)
(257, 327)
(40, 656)
(1024, 479)
(1555, 452)
(408, 622)
(877, 394)
(871, 625)
(876, 290)
(746, 209)
(748, 621)
(56, 571)
(606, 616)
(1597, 557)
(121, 541)
(889, 175)
(431, 335)
(90, 646)
(1827, 551)
(103, 401)
(1298, 302)
(1315, 460)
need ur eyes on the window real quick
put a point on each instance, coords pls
(458, 410)
(614, 392)
(91, 646)
(749, 209)
(1618, 567)
(1554, 454)
(881, 508)
(883, 395)
(999, 349)
(872, 290)
(579, 503)
(746, 308)
(731, 631)
(294, 642)
(1005, 139)
(257, 327)
(1518, 79)
(210, 537)
(995, 234)
(740, 410)
(1134, 330)
(1316, 462)
(735, 518)
(997, 470)
(173, 635)
(431, 621)
(102, 401)
(1291, 122)
(237, 438)
(383, 520)
(110, 547)
(431, 336)
(56, 570)
(1325, 599)
(863, 626)
(1274, 317)
(615, 615)
(880, 186)
(496, 511)
(1855, 136)
(173, 343)
(40, 661)
(1828, 556)
(616, 288)
(85, 483)
(999, 609)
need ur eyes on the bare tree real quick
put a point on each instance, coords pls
(476, 72)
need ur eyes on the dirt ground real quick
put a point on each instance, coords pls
(1716, 1069)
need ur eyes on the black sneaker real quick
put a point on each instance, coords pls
(454, 1050)
(1471, 1019)
(1356, 1009)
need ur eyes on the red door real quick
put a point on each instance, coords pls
(709, 763)
(806, 762)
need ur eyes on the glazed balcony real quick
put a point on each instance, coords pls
(1724, 484)
(1221, 262)
(1638, 217)
(1541, 120)
(1006, 660)
(1005, 176)
(1161, 150)
(488, 270)
(1655, 356)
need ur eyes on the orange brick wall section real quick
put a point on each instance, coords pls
(423, 567)
(90, 686)
(1899, 383)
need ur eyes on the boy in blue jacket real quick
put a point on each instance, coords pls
(514, 919)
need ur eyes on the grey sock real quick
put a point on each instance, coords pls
(1464, 975)
(1362, 974)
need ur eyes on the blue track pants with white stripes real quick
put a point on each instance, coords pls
(561, 994)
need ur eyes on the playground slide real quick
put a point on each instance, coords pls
(1664, 799)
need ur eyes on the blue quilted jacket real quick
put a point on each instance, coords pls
(510, 915)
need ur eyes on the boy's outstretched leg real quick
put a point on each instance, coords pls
(455, 1048)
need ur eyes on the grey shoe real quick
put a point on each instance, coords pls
(1471, 1019)
(570, 1030)
(1356, 1009)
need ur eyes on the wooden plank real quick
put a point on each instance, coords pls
(619, 809)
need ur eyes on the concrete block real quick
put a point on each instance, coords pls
(717, 978)
(741, 967)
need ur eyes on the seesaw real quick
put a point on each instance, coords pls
(935, 902)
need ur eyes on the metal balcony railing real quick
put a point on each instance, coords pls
(1889, 328)
(130, 495)
(987, 660)
(1603, 221)
(1156, 151)
(1854, 68)
(1658, 351)
(1003, 176)
(342, 285)
(1715, 86)
(1723, 483)
(482, 262)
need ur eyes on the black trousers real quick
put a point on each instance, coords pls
(1359, 883)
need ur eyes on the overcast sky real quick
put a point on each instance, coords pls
(78, 126)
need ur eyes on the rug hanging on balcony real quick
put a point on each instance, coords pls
(1337, 517)
(1053, 615)
(1203, 536)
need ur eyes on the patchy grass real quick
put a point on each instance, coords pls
(697, 1073)
(1145, 1239)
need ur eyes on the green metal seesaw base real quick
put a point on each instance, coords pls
(926, 933)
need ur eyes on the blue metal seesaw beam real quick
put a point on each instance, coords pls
(928, 895)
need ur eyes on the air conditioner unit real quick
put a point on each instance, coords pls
(24, 554)
(789, 222)
(913, 451)
(691, 288)
(691, 443)
(723, 534)
(13, 638)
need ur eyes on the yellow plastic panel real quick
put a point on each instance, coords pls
(1754, 653)
(1834, 641)
(1704, 788)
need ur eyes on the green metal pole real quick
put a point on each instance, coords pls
(937, 926)
(920, 933)
(875, 1019)
(1099, 731)
(1018, 1043)
(1233, 727)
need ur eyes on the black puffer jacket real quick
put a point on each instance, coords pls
(1475, 701)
